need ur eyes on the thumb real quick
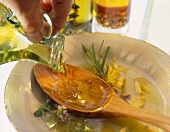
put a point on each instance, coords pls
(32, 25)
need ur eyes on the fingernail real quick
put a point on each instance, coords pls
(47, 1)
(46, 30)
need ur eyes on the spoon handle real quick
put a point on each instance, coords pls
(122, 109)
(155, 119)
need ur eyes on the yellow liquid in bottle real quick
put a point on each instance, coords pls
(84, 11)
(79, 18)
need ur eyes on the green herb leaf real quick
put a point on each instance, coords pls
(97, 62)
(38, 113)
(105, 57)
(100, 49)
(93, 53)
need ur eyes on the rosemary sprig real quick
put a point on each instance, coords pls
(97, 60)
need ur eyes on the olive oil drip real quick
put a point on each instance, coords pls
(78, 89)
(69, 91)
(73, 89)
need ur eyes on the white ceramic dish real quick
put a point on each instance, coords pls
(23, 95)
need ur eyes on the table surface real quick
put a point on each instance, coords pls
(149, 21)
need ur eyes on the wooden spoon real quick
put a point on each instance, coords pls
(87, 93)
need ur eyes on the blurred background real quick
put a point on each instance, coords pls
(148, 19)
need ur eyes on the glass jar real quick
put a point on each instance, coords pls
(111, 16)
(79, 18)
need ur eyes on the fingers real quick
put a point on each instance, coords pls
(31, 20)
(46, 5)
(32, 25)
(59, 13)
(28, 13)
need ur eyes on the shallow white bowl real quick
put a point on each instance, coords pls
(23, 95)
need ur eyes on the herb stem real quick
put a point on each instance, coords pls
(96, 60)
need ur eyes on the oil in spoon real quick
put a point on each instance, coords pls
(74, 88)
(69, 90)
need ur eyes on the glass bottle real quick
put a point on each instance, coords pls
(79, 18)
(14, 46)
(111, 16)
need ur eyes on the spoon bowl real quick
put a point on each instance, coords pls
(83, 82)
(95, 97)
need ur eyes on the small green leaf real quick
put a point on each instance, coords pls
(38, 113)
(100, 49)
(45, 110)
(93, 53)
(95, 59)
(105, 57)
(84, 48)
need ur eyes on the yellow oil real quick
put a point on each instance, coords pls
(79, 19)
(79, 91)
(15, 47)
(154, 102)
(84, 11)
(85, 96)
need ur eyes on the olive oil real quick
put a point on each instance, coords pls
(73, 88)
(84, 94)
(84, 99)
(79, 19)
(84, 10)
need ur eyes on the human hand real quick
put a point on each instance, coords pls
(28, 13)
